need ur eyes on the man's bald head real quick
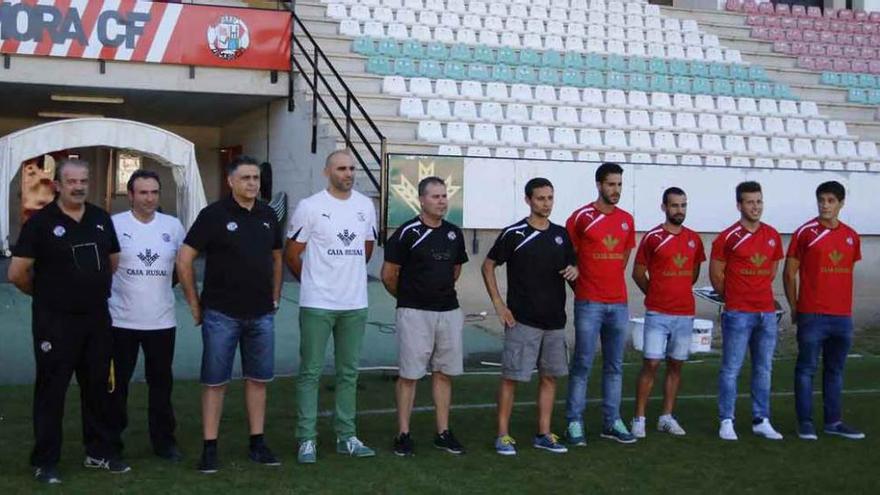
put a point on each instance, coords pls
(339, 169)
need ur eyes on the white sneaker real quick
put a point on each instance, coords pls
(726, 432)
(638, 427)
(668, 424)
(765, 429)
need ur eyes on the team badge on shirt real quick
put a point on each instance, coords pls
(451, 235)
(232, 226)
(45, 346)
(624, 226)
(692, 244)
(166, 237)
(58, 231)
(849, 240)
(558, 240)
(772, 242)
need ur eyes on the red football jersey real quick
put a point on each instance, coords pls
(671, 260)
(827, 257)
(748, 275)
(601, 242)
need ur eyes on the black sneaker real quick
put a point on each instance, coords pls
(47, 474)
(115, 466)
(446, 441)
(403, 445)
(841, 429)
(261, 454)
(171, 454)
(209, 464)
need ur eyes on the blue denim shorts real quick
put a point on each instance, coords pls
(668, 336)
(221, 334)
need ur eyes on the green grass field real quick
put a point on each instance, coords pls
(697, 463)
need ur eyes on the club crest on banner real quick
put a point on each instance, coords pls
(228, 38)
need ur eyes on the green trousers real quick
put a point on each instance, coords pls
(315, 328)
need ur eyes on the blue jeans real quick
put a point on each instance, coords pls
(608, 322)
(832, 337)
(222, 334)
(741, 332)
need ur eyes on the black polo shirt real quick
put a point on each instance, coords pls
(72, 271)
(535, 288)
(237, 244)
(427, 257)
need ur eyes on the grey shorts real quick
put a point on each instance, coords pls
(429, 338)
(525, 347)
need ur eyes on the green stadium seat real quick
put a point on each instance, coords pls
(364, 45)
(573, 60)
(594, 79)
(718, 71)
(525, 74)
(484, 54)
(681, 85)
(763, 90)
(637, 64)
(379, 65)
(412, 49)
(657, 66)
(436, 51)
(849, 80)
(552, 58)
(638, 82)
(616, 63)
(388, 47)
(502, 73)
(757, 73)
(830, 78)
(527, 56)
(454, 70)
(507, 56)
(460, 52)
(595, 61)
(405, 67)
(739, 72)
(572, 77)
(856, 95)
(702, 86)
(660, 83)
(678, 68)
(722, 87)
(430, 69)
(742, 88)
(781, 91)
(867, 81)
(478, 72)
(615, 80)
(873, 96)
(699, 69)
(548, 75)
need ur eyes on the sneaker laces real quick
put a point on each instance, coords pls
(353, 444)
(307, 447)
(554, 439)
(507, 440)
(101, 463)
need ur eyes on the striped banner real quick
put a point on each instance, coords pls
(140, 31)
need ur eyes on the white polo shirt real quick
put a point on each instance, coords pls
(141, 297)
(335, 231)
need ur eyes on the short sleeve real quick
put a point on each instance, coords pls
(572, 228)
(179, 233)
(461, 256)
(857, 253)
(28, 240)
(777, 252)
(700, 252)
(300, 227)
(114, 240)
(642, 254)
(794, 246)
(277, 236)
(372, 232)
(719, 249)
(631, 236)
(395, 251)
(199, 235)
(499, 253)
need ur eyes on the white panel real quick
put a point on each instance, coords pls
(490, 199)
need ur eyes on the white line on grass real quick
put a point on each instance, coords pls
(492, 405)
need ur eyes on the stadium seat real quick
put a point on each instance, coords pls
(458, 133)
(394, 85)
(431, 132)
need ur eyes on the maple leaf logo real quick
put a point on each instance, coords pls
(610, 242)
(679, 260)
(835, 257)
(758, 259)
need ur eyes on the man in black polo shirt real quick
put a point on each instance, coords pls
(540, 259)
(422, 262)
(241, 240)
(64, 259)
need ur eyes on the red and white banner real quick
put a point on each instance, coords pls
(139, 31)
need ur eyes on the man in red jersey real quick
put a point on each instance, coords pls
(667, 265)
(603, 237)
(822, 254)
(745, 257)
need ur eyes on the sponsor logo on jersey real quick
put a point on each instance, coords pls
(148, 257)
(346, 237)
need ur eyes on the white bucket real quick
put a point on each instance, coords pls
(701, 339)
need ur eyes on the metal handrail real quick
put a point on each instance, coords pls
(314, 62)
